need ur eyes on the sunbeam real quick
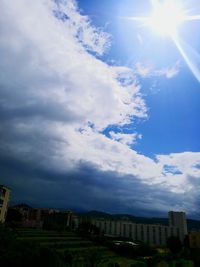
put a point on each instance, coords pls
(190, 18)
(191, 57)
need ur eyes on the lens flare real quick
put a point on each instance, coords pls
(166, 18)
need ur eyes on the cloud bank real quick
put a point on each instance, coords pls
(57, 97)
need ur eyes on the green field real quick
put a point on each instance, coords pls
(78, 247)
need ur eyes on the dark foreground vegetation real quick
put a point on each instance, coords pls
(35, 248)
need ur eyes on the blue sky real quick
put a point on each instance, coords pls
(97, 110)
(173, 103)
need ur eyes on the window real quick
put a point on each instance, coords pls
(154, 235)
(136, 232)
(115, 231)
(124, 230)
(142, 232)
(148, 239)
(105, 227)
(2, 192)
(166, 234)
(110, 228)
(130, 230)
(160, 235)
(178, 232)
(172, 231)
(172, 218)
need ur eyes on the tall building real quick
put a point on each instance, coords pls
(178, 219)
(4, 199)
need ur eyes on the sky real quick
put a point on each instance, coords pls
(97, 110)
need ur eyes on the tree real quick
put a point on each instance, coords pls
(87, 229)
(174, 244)
(92, 258)
(113, 264)
(13, 215)
(138, 264)
(68, 257)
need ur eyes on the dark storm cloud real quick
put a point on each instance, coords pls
(46, 111)
(84, 188)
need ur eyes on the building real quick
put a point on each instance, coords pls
(58, 221)
(154, 234)
(36, 216)
(45, 217)
(194, 239)
(178, 219)
(4, 200)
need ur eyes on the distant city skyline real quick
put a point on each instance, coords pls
(99, 106)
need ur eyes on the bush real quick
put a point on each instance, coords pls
(18, 253)
(113, 264)
(138, 264)
(174, 244)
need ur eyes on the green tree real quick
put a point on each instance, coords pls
(174, 244)
(68, 257)
(138, 264)
(92, 258)
(113, 264)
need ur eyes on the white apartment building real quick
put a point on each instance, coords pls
(154, 234)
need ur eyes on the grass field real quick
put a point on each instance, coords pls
(80, 248)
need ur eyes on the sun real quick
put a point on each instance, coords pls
(166, 17)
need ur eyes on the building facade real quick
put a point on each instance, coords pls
(154, 234)
(4, 200)
(178, 219)
(194, 239)
(35, 217)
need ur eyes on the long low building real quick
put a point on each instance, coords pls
(154, 234)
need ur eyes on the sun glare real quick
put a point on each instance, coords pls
(166, 17)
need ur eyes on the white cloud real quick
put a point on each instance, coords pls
(92, 38)
(147, 70)
(52, 87)
(142, 70)
(126, 139)
(56, 97)
(169, 72)
(186, 162)
(45, 56)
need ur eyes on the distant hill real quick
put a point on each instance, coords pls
(22, 205)
(192, 224)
